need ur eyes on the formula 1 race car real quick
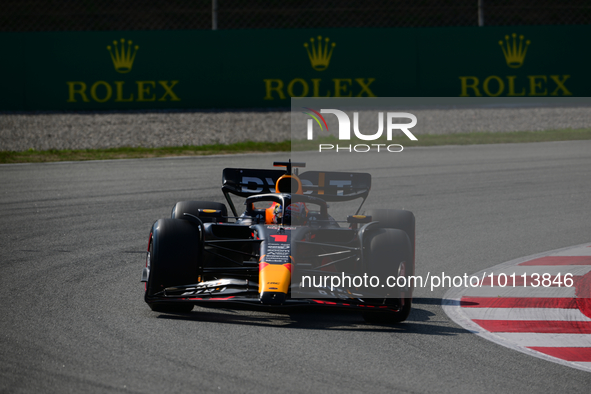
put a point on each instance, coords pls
(284, 251)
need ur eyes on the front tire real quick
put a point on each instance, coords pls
(389, 252)
(396, 218)
(174, 260)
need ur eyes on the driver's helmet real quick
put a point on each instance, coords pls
(277, 213)
(296, 213)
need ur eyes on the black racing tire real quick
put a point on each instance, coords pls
(396, 218)
(388, 252)
(174, 260)
(193, 208)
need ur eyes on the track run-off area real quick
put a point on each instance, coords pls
(540, 305)
(73, 241)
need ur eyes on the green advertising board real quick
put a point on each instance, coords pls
(76, 71)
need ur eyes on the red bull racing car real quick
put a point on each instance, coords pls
(284, 250)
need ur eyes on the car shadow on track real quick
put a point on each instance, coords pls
(421, 320)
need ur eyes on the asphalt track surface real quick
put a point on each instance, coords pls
(73, 237)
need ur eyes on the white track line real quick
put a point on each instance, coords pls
(541, 269)
(525, 314)
(551, 340)
(582, 250)
(520, 291)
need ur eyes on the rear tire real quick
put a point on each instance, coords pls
(174, 261)
(388, 252)
(193, 207)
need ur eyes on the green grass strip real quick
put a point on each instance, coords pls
(34, 156)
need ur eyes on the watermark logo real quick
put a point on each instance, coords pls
(514, 51)
(123, 56)
(315, 115)
(344, 129)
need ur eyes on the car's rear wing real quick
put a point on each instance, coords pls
(329, 186)
(336, 186)
(246, 182)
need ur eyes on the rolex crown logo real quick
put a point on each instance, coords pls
(122, 56)
(514, 51)
(319, 53)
